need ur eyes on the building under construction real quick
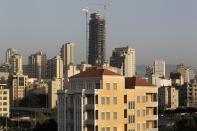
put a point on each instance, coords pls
(97, 39)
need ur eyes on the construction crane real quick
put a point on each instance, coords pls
(86, 10)
(105, 5)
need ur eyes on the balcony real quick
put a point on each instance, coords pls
(151, 104)
(152, 117)
(89, 107)
(89, 122)
(153, 129)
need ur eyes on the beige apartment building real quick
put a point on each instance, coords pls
(4, 100)
(101, 100)
(37, 65)
(55, 68)
(54, 85)
(18, 88)
(67, 53)
(168, 98)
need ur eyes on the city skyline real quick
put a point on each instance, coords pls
(155, 29)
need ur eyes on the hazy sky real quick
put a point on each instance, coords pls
(155, 28)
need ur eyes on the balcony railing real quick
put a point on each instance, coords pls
(151, 104)
(89, 122)
(89, 107)
(152, 129)
(152, 117)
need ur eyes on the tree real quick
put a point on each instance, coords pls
(48, 125)
(3, 122)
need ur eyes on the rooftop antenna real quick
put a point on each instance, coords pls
(86, 10)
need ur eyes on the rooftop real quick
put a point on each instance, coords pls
(132, 82)
(95, 72)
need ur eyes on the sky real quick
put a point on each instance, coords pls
(157, 29)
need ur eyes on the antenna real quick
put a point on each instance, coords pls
(86, 10)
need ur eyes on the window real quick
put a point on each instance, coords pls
(115, 115)
(4, 98)
(147, 111)
(107, 115)
(4, 103)
(115, 86)
(138, 112)
(107, 128)
(144, 126)
(125, 113)
(4, 109)
(107, 86)
(102, 100)
(96, 99)
(102, 129)
(138, 99)
(131, 119)
(107, 100)
(143, 99)
(138, 127)
(97, 85)
(102, 115)
(131, 105)
(144, 112)
(115, 100)
(125, 99)
(115, 129)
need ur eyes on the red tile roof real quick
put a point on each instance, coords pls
(132, 82)
(95, 72)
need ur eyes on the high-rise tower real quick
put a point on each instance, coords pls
(9, 53)
(37, 63)
(67, 54)
(97, 39)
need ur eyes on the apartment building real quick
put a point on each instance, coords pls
(18, 84)
(54, 85)
(188, 94)
(101, 100)
(125, 59)
(159, 68)
(187, 73)
(4, 101)
(168, 98)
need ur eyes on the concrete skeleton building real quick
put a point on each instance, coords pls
(67, 54)
(125, 59)
(101, 100)
(37, 63)
(188, 94)
(4, 101)
(55, 68)
(168, 98)
(159, 68)
(97, 40)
